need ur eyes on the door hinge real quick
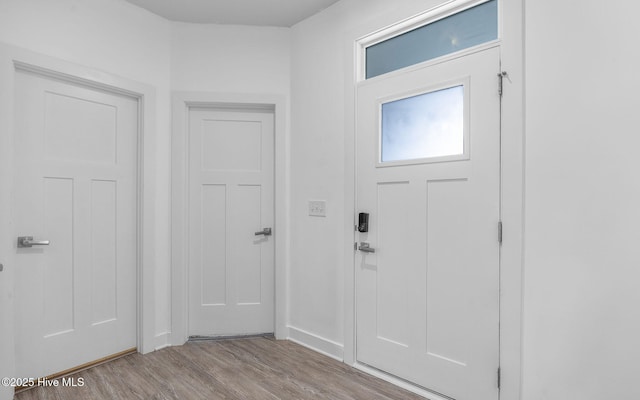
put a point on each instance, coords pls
(355, 245)
(501, 76)
(500, 232)
(498, 378)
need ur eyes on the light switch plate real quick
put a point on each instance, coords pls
(317, 208)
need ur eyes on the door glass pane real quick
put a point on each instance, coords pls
(457, 32)
(423, 126)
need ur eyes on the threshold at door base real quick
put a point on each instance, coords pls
(197, 338)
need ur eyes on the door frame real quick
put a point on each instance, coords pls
(182, 102)
(511, 42)
(13, 59)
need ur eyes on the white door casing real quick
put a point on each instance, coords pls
(427, 302)
(231, 199)
(75, 184)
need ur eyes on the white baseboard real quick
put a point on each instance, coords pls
(316, 343)
(162, 340)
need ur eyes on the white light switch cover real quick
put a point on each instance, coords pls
(317, 208)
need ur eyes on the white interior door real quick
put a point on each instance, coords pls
(428, 297)
(231, 214)
(75, 186)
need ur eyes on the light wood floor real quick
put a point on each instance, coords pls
(247, 369)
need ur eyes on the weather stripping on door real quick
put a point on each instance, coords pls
(364, 246)
(27, 241)
(265, 231)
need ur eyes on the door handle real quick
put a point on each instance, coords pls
(265, 231)
(27, 241)
(364, 246)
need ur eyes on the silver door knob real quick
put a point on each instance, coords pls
(27, 241)
(265, 231)
(364, 246)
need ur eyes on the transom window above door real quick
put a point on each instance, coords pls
(465, 29)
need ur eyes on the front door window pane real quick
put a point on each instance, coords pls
(424, 126)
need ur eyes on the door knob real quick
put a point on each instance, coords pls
(364, 246)
(27, 241)
(265, 231)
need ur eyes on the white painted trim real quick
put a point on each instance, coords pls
(316, 343)
(162, 340)
(182, 101)
(512, 18)
(511, 33)
(351, 55)
(7, 352)
(12, 58)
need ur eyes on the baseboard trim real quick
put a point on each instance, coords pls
(82, 367)
(316, 343)
(162, 340)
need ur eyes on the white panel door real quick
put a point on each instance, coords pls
(428, 297)
(231, 265)
(75, 186)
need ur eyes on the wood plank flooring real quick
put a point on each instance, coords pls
(247, 369)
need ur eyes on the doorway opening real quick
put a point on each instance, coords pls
(228, 218)
(73, 106)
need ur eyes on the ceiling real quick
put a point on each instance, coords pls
(284, 13)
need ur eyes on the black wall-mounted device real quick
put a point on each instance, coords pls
(363, 222)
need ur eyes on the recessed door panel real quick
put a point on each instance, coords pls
(104, 251)
(57, 280)
(229, 145)
(213, 270)
(247, 247)
(449, 229)
(89, 125)
(392, 292)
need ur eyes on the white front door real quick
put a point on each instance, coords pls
(231, 214)
(75, 186)
(428, 297)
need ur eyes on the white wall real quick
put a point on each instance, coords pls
(317, 127)
(582, 274)
(230, 59)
